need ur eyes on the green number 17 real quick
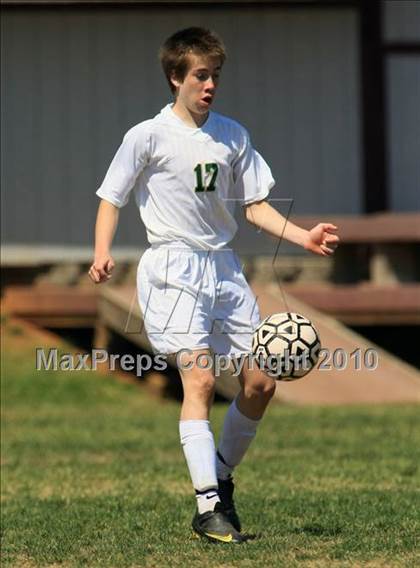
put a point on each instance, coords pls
(209, 170)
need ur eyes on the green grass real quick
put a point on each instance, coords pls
(93, 475)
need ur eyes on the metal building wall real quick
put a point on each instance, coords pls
(402, 28)
(74, 80)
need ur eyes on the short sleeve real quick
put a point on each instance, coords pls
(251, 174)
(131, 158)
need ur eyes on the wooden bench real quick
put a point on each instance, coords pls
(370, 229)
(363, 304)
(53, 306)
(382, 248)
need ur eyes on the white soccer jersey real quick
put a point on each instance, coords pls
(187, 180)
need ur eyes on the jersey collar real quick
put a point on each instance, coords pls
(169, 114)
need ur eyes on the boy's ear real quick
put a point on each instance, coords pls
(175, 81)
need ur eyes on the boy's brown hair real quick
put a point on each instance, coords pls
(174, 52)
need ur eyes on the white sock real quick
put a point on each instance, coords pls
(198, 444)
(206, 500)
(237, 435)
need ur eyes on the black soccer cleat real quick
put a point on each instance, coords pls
(216, 527)
(226, 488)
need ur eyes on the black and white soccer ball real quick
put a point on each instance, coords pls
(286, 346)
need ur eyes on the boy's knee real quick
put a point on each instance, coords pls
(261, 388)
(199, 384)
(205, 382)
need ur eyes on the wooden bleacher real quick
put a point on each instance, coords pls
(385, 228)
(374, 280)
(377, 267)
(53, 305)
(387, 293)
(393, 380)
(363, 304)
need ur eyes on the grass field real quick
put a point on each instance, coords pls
(93, 475)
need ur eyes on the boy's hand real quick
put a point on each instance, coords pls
(101, 269)
(322, 239)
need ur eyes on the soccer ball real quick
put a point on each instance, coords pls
(287, 345)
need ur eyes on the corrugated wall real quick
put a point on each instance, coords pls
(402, 27)
(74, 80)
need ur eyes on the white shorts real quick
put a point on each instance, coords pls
(194, 299)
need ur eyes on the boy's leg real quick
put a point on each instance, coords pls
(239, 429)
(197, 441)
(236, 308)
(194, 428)
(242, 419)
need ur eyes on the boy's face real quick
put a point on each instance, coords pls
(197, 91)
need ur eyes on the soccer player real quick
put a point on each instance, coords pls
(189, 167)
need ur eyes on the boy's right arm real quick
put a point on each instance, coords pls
(106, 224)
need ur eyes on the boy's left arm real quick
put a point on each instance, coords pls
(321, 239)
